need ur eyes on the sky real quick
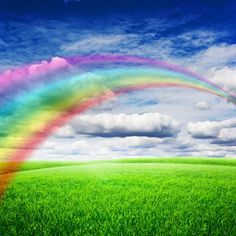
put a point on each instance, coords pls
(197, 35)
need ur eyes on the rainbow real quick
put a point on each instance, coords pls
(36, 99)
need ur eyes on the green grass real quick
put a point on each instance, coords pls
(149, 196)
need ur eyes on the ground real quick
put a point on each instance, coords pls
(148, 196)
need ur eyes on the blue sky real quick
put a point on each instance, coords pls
(198, 35)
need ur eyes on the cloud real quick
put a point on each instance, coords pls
(95, 42)
(85, 148)
(99, 148)
(215, 56)
(226, 136)
(211, 129)
(122, 125)
(197, 38)
(203, 105)
(115, 145)
(65, 132)
(31, 71)
(225, 77)
(133, 142)
(213, 150)
(222, 54)
(56, 63)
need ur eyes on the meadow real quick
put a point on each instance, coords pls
(148, 196)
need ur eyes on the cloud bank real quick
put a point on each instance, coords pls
(122, 125)
(221, 132)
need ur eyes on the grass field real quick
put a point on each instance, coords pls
(149, 196)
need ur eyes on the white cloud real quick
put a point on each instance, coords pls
(98, 148)
(227, 134)
(203, 105)
(225, 78)
(210, 129)
(205, 129)
(121, 125)
(95, 42)
(116, 144)
(133, 142)
(217, 56)
(65, 132)
(197, 37)
(206, 150)
(102, 148)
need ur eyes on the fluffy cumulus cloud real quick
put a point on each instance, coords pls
(226, 136)
(56, 63)
(219, 130)
(225, 78)
(33, 70)
(121, 125)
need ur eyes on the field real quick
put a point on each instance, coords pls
(149, 196)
